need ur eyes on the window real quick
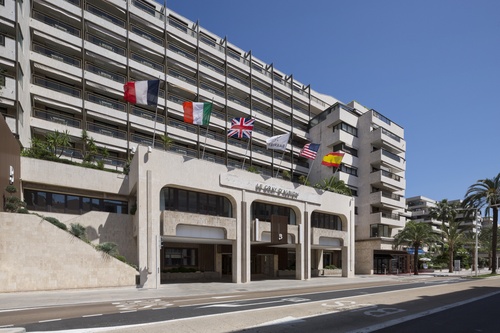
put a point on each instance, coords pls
(71, 204)
(2, 38)
(347, 128)
(175, 257)
(380, 230)
(343, 147)
(264, 211)
(326, 221)
(349, 170)
(176, 199)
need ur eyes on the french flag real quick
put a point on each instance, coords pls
(142, 92)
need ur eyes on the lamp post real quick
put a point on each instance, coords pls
(475, 249)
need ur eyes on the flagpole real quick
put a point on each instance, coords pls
(309, 172)
(282, 156)
(245, 156)
(156, 114)
(206, 133)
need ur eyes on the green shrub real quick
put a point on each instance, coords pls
(78, 230)
(56, 222)
(330, 267)
(108, 247)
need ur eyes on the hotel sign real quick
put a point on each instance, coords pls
(276, 190)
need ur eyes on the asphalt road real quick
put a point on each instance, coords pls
(357, 309)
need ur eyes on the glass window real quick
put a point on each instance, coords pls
(58, 203)
(180, 257)
(195, 202)
(86, 205)
(263, 212)
(72, 204)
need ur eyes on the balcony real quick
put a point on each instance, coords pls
(386, 218)
(384, 157)
(386, 199)
(57, 118)
(381, 137)
(386, 179)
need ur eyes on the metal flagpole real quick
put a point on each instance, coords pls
(308, 173)
(245, 157)
(206, 133)
(282, 156)
(156, 113)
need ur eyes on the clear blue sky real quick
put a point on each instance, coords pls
(431, 66)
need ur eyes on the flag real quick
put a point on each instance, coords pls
(332, 159)
(142, 92)
(241, 128)
(310, 151)
(197, 113)
(278, 142)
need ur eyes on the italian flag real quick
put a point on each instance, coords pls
(197, 113)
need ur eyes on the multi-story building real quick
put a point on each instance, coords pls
(65, 63)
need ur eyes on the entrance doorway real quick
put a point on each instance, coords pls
(227, 264)
(263, 264)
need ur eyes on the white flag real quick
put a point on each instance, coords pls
(278, 142)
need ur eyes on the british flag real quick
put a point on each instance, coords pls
(241, 128)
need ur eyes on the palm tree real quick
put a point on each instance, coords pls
(454, 235)
(58, 140)
(444, 211)
(416, 235)
(485, 193)
(333, 184)
(167, 141)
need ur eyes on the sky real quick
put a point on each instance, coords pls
(431, 66)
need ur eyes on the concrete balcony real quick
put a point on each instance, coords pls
(383, 157)
(385, 199)
(393, 220)
(383, 138)
(386, 179)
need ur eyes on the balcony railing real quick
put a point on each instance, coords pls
(181, 77)
(105, 15)
(106, 45)
(147, 62)
(53, 22)
(182, 52)
(105, 73)
(57, 55)
(57, 118)
(57, 86)
(108, 131)
(145, 140)
(390, 175)
(107, 102)
(147, 35)
(182, 125)
(148, 115)
(147, 9)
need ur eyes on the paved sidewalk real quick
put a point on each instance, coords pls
(78, 296)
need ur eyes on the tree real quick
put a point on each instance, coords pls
(167, 141)
(57, 141)
(415, 235)
(485, 193)
(12, 203)
(444, 211)
(454, 236)
(333, 184)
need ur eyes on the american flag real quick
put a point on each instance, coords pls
(310, 150)
(241, 128)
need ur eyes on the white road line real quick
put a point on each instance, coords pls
(128, 311)
(92, 315)
(49, 320)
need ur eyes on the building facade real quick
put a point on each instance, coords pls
(65, 63)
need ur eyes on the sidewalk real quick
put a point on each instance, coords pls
(80, 296)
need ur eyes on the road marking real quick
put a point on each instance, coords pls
(49, 320)
(92, 315)
(420, 314)
(235, 305)
(284, 320)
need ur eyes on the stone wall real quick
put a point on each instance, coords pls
(36, 255)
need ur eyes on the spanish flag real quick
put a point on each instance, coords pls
(332, 159)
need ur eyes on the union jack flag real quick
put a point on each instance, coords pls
(241, 128)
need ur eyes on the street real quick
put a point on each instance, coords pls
(382, 307)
